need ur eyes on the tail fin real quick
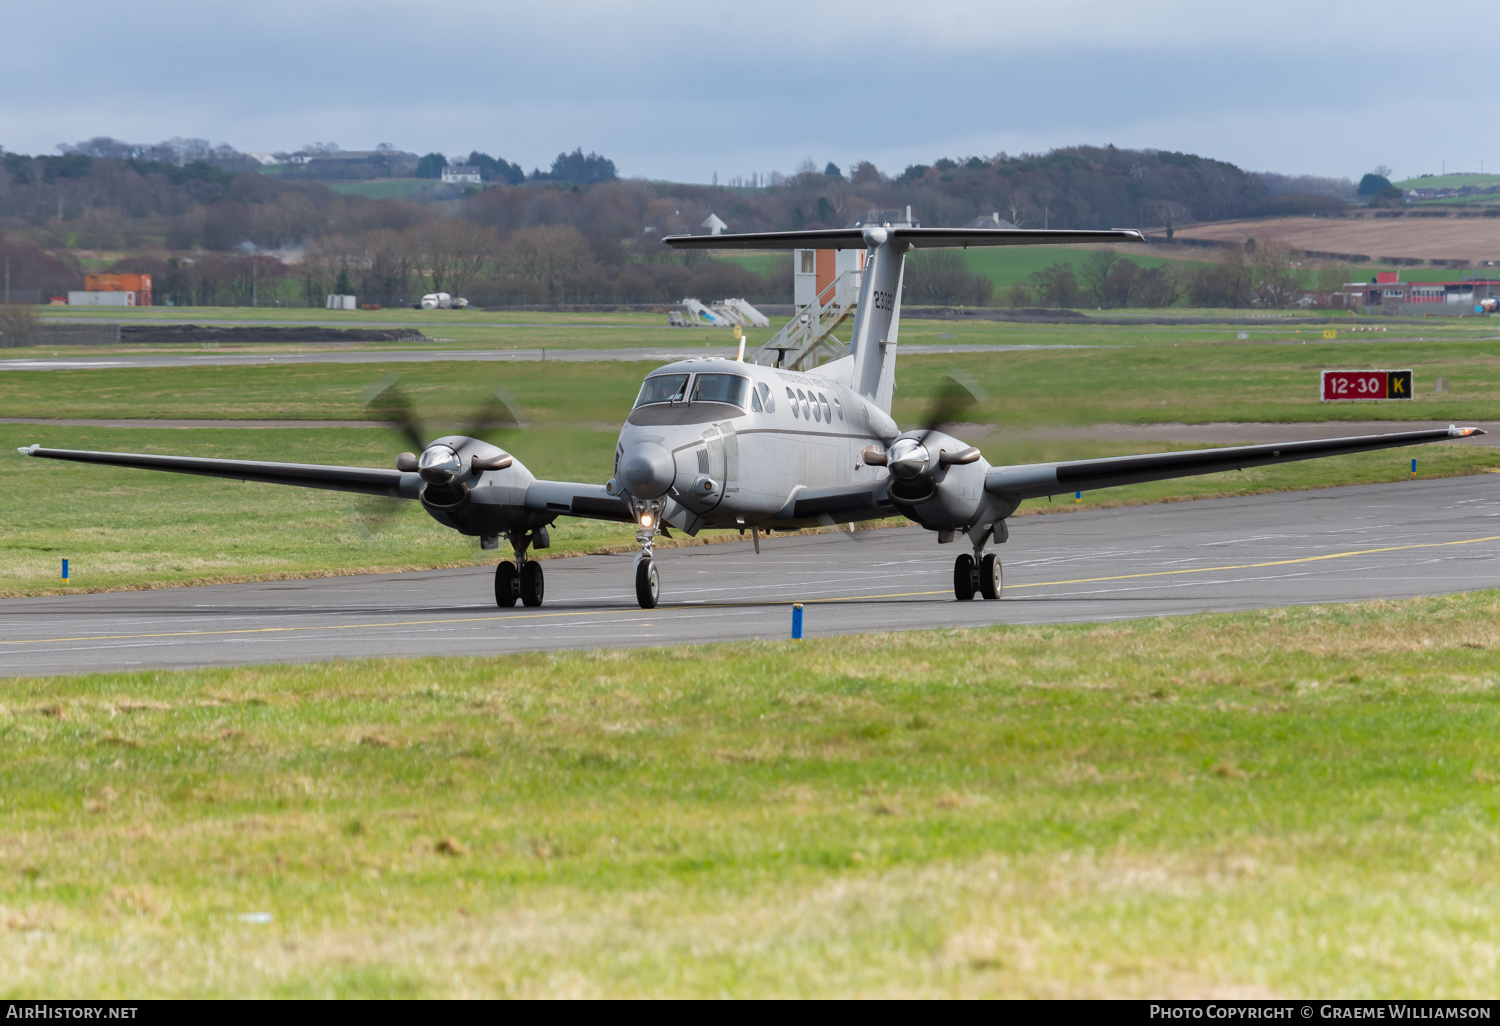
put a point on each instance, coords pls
(873, 344)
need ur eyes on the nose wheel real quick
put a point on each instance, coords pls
(972, 577)
(647, 583)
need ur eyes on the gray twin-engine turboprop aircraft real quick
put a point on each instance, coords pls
(714, 443)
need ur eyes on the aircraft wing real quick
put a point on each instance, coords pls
(921, 238)
(363, 480)
(567, 498)
(1033, 480)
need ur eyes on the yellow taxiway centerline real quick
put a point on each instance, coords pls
(726, 605)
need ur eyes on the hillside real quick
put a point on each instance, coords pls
(1392, 237)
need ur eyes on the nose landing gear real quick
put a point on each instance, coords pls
(648, 523)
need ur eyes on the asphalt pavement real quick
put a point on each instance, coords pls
(1332, 545)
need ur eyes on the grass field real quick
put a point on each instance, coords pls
(1192, 374)
(1455, 181)
(124, 529)
(1473, 240)
(1298, 802)
(386, 188)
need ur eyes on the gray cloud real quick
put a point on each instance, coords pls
(682, 90)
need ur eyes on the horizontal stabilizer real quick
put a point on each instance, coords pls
(1033, 480)
(918, 238)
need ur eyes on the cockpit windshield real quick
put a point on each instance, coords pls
(721, 388)
(663, 388)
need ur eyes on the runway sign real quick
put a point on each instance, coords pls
(1356, 385)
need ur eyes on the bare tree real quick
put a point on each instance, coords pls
(1097, 267)
(454, 253)
(1277, 283)
(18, 324)
(549, 255)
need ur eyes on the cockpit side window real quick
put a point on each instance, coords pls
(663, 388)
(755, 406)
(721, 388)
(765, 398)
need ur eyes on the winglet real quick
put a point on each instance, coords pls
(29, 450)
(1454, 431)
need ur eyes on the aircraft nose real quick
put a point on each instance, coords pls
(647, 470)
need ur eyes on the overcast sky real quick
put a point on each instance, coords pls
(684, 89)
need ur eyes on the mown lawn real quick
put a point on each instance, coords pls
(1300, 802)
(1129, 375)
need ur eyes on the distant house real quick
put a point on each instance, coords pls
(714, 224)
(461, 174)
(993, 221)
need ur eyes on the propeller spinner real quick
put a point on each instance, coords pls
(909, 458)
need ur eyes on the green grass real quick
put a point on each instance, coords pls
(1453, 181)
(1151, 373)
(385, 188)
(1290, 803)
(1006, 266)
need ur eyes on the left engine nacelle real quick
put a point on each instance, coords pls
(476, 488)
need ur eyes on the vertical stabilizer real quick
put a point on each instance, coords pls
(873, 343)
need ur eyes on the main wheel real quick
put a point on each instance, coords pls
(647, 584)
(507, 584)
(532, 585)
(991, 577)
(963, 577)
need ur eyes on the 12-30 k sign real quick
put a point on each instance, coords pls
(1345, 385)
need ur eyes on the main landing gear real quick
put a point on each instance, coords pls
(983, 576)
(524, 581)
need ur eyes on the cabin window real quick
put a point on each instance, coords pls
(827, 413)
(721, 388)
(765, 398)
(791, 401)
(806, 413)
(663, 388)
(838, 406)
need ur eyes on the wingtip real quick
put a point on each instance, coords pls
(1454, 431)
(29, 450)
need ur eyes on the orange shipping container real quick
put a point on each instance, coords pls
(140, 284)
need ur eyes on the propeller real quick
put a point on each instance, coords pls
(385, 400)
(908, 458)
(439, 464)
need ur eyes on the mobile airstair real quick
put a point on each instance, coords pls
(807, 339)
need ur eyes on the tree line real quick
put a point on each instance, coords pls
(575, 233)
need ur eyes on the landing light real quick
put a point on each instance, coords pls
(646, 520)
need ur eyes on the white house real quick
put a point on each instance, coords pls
(463, 174)
(714, 225)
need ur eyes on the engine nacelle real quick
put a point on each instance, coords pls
(479, 501)
(927, 486)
